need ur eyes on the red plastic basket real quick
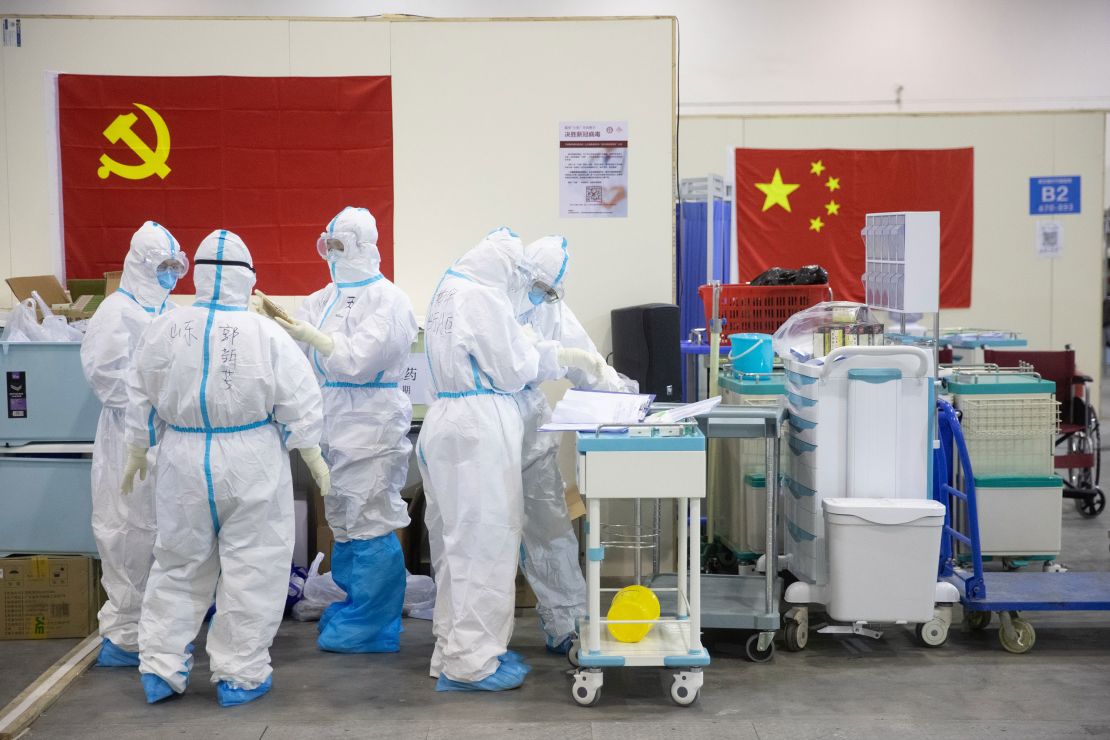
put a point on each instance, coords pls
(760, 308)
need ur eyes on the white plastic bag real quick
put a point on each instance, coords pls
(23, 324)
(319, 593)
(794, 339)
(420, 596)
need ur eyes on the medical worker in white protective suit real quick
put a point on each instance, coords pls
(123, 526)
(358, 332)
(469, 455)
(235, 393)
(549, 551)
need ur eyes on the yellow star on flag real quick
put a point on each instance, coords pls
(776, 191)
(816, 224)
(833, 183)
(833, 208)
(816, 168)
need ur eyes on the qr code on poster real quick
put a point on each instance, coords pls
(593, 193)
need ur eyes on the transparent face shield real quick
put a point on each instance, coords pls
(335, 245)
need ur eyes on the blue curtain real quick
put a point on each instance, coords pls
(691, 257)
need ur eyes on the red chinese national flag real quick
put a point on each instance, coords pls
(799, 207)
(270, 158)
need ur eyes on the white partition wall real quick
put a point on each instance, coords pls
(476, 108)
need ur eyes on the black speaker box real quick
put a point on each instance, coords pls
(646, 348)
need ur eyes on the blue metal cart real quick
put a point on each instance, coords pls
(1006, 593)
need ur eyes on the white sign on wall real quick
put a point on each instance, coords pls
(415, 381)
(593, 169)
(1050, 239)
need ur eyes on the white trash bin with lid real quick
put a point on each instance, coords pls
(883, 558)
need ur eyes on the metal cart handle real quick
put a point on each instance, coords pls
(921, 355)
(599, 427)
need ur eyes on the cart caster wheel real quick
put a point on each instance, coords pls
(797, 636)
(933, 633)
(1009, 565)
(686, 688)
(572, 654)
(586, 690)
(1024, 637)
(755, 655)
(1093, 506)
(977, 621)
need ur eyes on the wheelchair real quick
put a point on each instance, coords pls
(1078, 454)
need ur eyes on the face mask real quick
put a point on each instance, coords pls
(167, 279)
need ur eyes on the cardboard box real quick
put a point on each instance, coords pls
(576, 505)
(43, 597)
(80, 301)
(112, 281)
(47, 286)
(323, 543)
(525, 597)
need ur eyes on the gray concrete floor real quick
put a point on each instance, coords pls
(837, 688)
(22, 661)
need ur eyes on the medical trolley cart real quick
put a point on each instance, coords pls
(1007, 593)
(643, 461)
(746, 598)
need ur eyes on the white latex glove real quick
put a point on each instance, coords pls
(255, 305)
(590, 362)
(314, 459)
(305, 332)
(136, 463)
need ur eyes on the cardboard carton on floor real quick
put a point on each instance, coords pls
(43, 597)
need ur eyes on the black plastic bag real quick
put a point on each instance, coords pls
(812, 275)
(776, 276)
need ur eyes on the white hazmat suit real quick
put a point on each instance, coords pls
(235, 393)
(469, 456)
(549, 551)
(124, 526)
(365, 327)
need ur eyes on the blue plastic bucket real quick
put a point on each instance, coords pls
(751, 354)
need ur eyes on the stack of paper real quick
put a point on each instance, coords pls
(687, 411)
(585, 410)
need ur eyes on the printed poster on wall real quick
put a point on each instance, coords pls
(593, 169)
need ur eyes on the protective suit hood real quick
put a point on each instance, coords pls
(225, 284)
(364, 262)
(148, 246)
(545, 259)
(496, 262)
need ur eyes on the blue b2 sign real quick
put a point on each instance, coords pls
(1054, 195)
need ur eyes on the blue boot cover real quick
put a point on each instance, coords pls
(509, 675)
(559, 648)
(341, 558)
(369, 620)
(113, 656)
(231, 697)
(155, 688)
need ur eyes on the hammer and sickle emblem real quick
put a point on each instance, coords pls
(154, 161)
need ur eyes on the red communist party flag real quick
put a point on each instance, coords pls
(270, 158)
(799, 207)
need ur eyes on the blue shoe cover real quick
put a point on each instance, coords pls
(560, 648)
(231, 697)
(511, 656)
(113, 656)
(369, 619)
(341, 561)
(156, 688)
(507, 676)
